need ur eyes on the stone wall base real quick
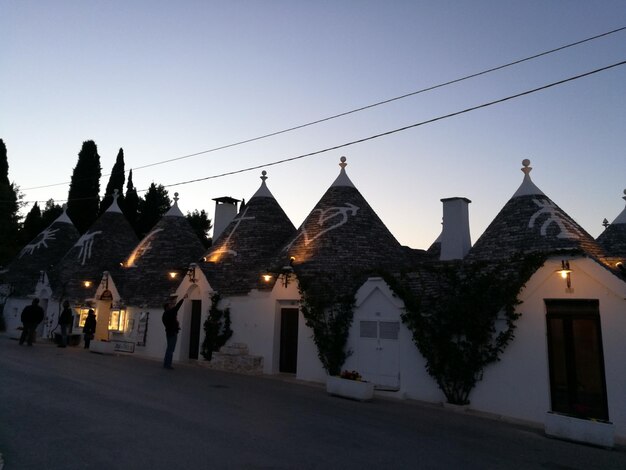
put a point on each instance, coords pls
(235, 358)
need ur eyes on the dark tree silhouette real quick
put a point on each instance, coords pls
(152, 207)
(201, 224)
(51, 212)
(9, 207)
(83, 197)
(32, 226)
(116, 181)
(131, 203)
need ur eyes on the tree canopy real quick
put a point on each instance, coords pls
(201, 224)
(83, 197)
(9, 207)
(152, 207)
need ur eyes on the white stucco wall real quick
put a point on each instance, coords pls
(519, 385)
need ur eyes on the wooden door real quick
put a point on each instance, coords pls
(194, 330)
(288, 340)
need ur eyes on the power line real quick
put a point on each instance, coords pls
(400, 129)
(363, 108)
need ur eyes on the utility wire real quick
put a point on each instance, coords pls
(363, 108)
(400, 129)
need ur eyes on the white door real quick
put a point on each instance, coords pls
(378, 354)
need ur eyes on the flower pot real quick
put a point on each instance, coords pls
(599, 433)
(353, 389)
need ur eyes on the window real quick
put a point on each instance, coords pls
(576, 361)
(82, 317)
(117, 320)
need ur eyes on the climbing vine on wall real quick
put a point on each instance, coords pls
(330, 319)
(217, 328)
(464, 317)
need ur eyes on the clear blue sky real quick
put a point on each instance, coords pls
(165, 79)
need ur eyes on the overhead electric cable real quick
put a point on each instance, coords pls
(400, 129)
(363, 108)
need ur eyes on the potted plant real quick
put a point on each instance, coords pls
(350, 384)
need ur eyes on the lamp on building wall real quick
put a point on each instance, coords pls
(191, 272)
(565, 273)
(283, 273)
(87, 283)
(172, 274)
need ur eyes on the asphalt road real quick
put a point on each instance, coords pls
(72, 409)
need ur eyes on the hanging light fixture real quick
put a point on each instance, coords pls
(565, 272)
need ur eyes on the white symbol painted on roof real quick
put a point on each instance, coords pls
(40, 241)
(568, 229)
(224, 248)
(86, 244)
(326, 215)
(144, 247)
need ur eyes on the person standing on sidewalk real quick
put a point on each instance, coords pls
(65, 321)
(90, 327)
(32, 315)
(170, 321)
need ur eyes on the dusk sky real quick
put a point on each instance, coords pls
(165, 79)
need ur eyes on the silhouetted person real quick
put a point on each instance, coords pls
(171, 330)
(32, 315)
(90, 327)
(65, 322)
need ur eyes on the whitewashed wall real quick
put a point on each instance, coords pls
(519, 385)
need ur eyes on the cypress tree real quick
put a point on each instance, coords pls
(83, 197)
(32, 226)
(9, 206)
(131, 203)
(152, 207)
(116, 181)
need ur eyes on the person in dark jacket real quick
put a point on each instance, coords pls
(32, 315)
(65, 322)
(171, 330)
(89, 329)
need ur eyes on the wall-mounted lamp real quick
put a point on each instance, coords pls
(172, 274)
(565, 273)
(87, 283)
(283, 273)
(191, 272)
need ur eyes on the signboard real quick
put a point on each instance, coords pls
(124, 346)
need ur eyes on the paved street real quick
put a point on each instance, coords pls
(71, 409)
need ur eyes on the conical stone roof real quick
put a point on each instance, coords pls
(341, 242)
(245, 248)
(169, 247)
(613, 239)
(102, 248)
(531, 222)
(41, 254)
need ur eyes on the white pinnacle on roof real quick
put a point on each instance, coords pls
(174, 210)
(342, 179)
(114, 207)
(263, 190)
(527, 188)
(621, 218)
(63, 218)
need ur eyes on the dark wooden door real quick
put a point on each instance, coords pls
(194, 338)
(288, 340)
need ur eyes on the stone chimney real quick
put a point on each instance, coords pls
(455, 236)
(225, 211)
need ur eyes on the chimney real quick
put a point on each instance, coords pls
(455, 236)
(225, 211)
